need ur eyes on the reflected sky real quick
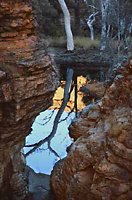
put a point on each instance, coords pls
(42, 160)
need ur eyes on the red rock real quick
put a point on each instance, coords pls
(28, 81)
(99, 163)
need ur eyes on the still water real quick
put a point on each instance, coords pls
(42, 160)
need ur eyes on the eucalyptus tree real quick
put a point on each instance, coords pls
(104, 14)
(90, 21)
(92, 6)
(67, 21)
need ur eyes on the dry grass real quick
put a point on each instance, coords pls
(85, 42)
(57, 41)
(80, 42)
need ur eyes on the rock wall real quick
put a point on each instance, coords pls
(28, 80)
(99, 164)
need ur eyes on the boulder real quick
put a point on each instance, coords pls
(99, 164)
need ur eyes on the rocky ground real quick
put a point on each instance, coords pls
(39, 185)
(90, 62)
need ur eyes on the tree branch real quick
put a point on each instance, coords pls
(57, 118)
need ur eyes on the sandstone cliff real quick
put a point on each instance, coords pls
(99, 164)
(28, 80)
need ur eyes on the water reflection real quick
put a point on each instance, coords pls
(43, 160)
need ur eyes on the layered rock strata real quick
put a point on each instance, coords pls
(28, 80)
(99, 164)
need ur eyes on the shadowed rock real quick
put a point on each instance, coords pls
(39, 185)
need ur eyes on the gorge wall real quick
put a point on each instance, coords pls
(99, 164)
(28, 80)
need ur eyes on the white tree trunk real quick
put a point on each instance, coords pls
(91, 31)
(90, 22)
(70, 42)
(104, 12)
